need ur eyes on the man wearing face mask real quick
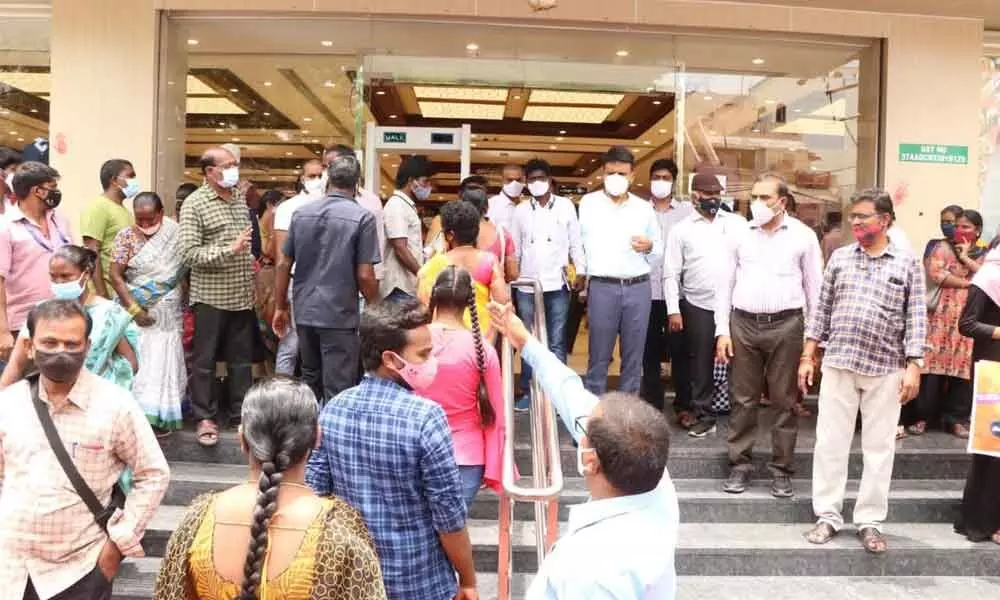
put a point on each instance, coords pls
(30, 232)
(389, 454)
(334, 244)
(403, 253)
(771, 277)
(620, 545)
(311, 187)
(106, 215)
(691, 271)
(872, 320)
(502, 207)
(621, 239)
(546, 236)
(9, 163)
(659, 340)
(215, 242)
(50, 544)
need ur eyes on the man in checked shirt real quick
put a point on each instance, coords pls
(872, 320)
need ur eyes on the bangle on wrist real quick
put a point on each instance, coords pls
(134, 310)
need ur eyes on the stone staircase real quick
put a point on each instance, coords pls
(746, 547)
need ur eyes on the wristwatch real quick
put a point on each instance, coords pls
(916, 361)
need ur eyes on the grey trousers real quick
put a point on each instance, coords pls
(288, 346)
(613, 310)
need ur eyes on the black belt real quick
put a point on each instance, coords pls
(767, 318)
(620, 281)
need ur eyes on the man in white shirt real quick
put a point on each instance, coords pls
(311, 186)
(691, 271)
(621, 239)
(403, 253)
(500, 209)
(621, 544)
(546, 236)
(659, 341)
(772, 274)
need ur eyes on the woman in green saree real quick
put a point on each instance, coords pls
(114, 338)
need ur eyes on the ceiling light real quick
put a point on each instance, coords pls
(770, 101)
(316, 142)
(187, 172)
(307, 119)
(472, 47)
(392, 116)
(170, 83)
(329, 83)
(236, 139)
(552, 147)
(663, 131)
(562, 132)
(288, 153)
(517, 97)
(219, 130)
(192, 42)
(34, 110)
(268, 84)
(798, 110)
(305, 132)
(657, 102)
(20, 139)
(621, 53)
(222, 124)
(593, 160)
(273, 178)
(267, 114)
(647, 142)
(472, 145)
(380, 93)
(385, 156)
(560, 138)
(395, 165)
(327, 43)
(708, 97)
(758, 61)
(633, 124)
(233, 90)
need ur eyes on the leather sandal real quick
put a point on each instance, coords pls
(872, 540)
(208, 433)
(821, 533)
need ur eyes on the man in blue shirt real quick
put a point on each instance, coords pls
(388, 452)
(621, 239)
(620, 545)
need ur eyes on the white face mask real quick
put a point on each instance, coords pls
(9, 180)
(616, 185)
(230, 177)
(537, 189)
(314, 187)
(661, 189)
(761, 213)
(580, 468)
(513, 188)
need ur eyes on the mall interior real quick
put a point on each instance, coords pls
(824, 92)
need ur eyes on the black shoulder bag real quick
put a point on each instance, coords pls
(102, 514)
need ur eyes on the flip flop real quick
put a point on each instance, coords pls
(208, 433)
(821, 533)
(872, 540)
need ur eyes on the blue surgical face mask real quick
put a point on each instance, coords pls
(948, 230)
(69, 290)
(422, 192)
(131, 188)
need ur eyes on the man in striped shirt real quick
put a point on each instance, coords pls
(772, 273)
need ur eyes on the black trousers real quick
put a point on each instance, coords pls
(660, 344)
(943, 400)
(699, 329)
(227, 335)
(93, 586)
(330, 359)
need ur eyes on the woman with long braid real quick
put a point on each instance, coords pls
(272, 537)
(468, 384)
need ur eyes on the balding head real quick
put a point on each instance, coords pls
(632, 443)
(213, 162)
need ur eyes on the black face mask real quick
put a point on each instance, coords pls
(709, 204)
(53, 199)
(60, 367)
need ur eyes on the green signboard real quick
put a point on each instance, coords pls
(393, 137)
(934, 153)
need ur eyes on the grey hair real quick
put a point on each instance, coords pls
(279, 420)
(632, 441)
(344, 172)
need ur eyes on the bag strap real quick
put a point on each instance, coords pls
(55, 442)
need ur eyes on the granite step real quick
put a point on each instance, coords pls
(931, 456)
(752, 549)
(137, 578)
(701, 500)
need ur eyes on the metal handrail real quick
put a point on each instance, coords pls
(546, 462)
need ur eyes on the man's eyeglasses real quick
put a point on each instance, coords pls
(580, 424)
(859, 217)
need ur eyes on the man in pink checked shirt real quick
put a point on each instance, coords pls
(771, 277)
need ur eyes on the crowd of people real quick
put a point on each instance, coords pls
(363, 472)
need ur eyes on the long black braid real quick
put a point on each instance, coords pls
(453, 289)
(279, 427)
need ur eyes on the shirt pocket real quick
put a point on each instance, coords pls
(892, 296)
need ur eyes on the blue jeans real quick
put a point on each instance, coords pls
(471, 477)
(556, 318)
(398, 295)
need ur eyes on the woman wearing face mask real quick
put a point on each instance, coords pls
(945, 387)
(114, 339)
(147, 272)
(460, 221)
(272, 537)
(467, 383)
